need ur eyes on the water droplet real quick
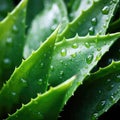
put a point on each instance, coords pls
(61, 72)
(87, 45)
(13, 93)
(91, 31)
(110, 87)
(75, 46)
(98, 57)
(23, 80)
(54, 27)
(101, 105)
(112, 99)
(15, 29)
(40, 81)
(108, 80)
(94, 116)
(89, 58)
(117, 78)
(63, 52)
(7, 61)
(98, 49)
(94, 21)
(51, 67)
(105, 10)
(42, 64)
(40, 116)
(9, 40)
(73, 55)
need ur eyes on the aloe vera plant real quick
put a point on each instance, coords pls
(51, 58)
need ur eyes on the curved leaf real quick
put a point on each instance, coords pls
(78, 6)
(44, 24)
(40, 107)
(94, 20)
(33, 8)
(79, 54)
(12, 32)
(98, 93)
(28, 79)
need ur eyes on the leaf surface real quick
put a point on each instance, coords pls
(28, 79)
(98, 93)
(40, 107)
(44, 24)
(94, 20)
(78, 54)
(12, 38)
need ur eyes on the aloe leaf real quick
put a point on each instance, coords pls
(12, 38)
(94, 20)
(78, 6)
(40, 107)
(44, 24)
(78, 54)
(28, 79)
(5, 7)
(115, 26)
(98, 93)
(33, 8)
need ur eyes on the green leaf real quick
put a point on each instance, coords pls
(33, 8)
(79, 54)
(44, 24)
(94, 20)
(77, 7)
(40, 107)
(28, 79)
(98, 93)
(12, 38)
(5, 7)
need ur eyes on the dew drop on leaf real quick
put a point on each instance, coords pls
(42, 64)
(51, 67)
(101, 105)
(91, 30)
(112, 99)
(15, 29)
(87, 45)
(94, 116)
(73, 55)
(105, 10)
(89, 58)
(63, 52)
(23, 80)
(117, 78)
(75, 46)
(9, 40)
(40, 81)
(13, 93)
(61, 72)
(94, 21)
(7, 61)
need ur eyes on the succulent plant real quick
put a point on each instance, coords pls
(59, 59)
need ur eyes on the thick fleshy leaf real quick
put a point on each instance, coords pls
(28, 79)
(33, 8)
(40, 107)
(44, 24)
(97, 94)
(79, 54)
(94, 20)
(77, 7)
(12, 38)
(5, 7)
